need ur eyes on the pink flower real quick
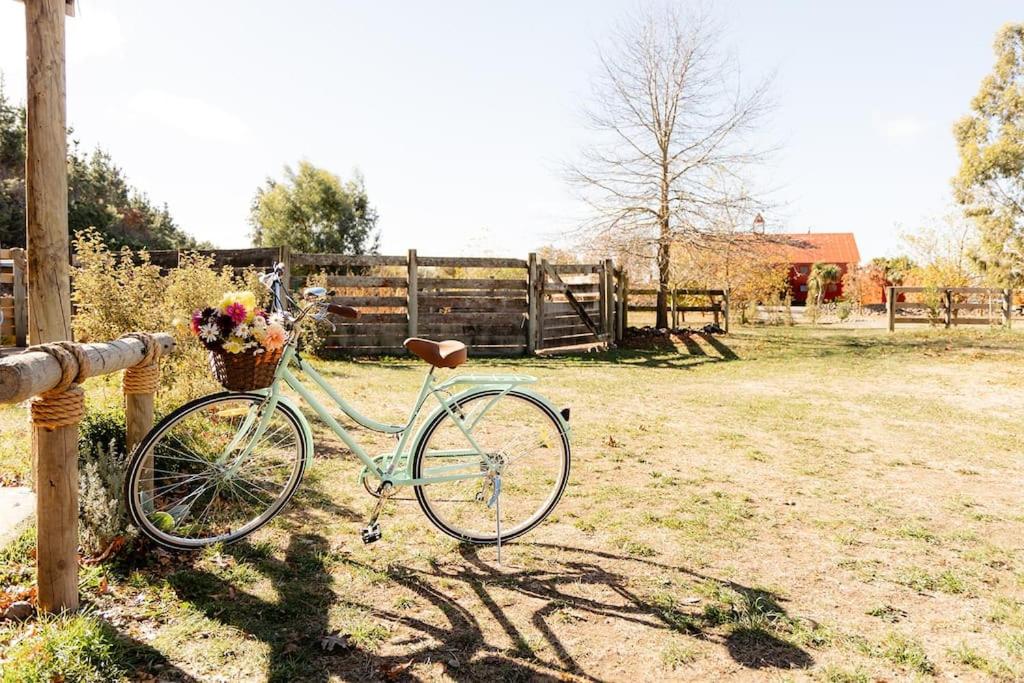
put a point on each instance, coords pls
(236, 312)
(197, 320)
(275, 337)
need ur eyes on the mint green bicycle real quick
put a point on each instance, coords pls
(487, 465)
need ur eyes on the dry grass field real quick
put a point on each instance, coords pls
(773, 504)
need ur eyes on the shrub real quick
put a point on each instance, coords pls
(119, 292)
(102, 462)
(843, 310)
(314, 334)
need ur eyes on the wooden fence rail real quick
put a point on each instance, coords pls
(679, 304)
(25, 375)
(944, 305)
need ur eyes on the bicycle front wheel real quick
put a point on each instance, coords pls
(523, 437)
(208, 474)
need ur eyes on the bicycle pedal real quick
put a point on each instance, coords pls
(371, 533)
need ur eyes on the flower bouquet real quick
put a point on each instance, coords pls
(245, 344)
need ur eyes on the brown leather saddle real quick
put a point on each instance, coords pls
(442, 354)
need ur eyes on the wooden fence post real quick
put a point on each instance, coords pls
(533, 305)
(947, 300)
(675, 322)
(412, 298)
(607, 302)
(20, 297)
(619, 302)
(49, 291)
(625, 301)
(890, 301)
(725, 310)
(284, 257)
(542, 276)
(1008, 308)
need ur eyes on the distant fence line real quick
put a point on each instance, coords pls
(13, 305)
(945, 305)
(498, 306)
(679, 304)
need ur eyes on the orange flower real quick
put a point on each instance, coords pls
(275, 337)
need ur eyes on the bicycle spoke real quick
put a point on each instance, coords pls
(210, 501)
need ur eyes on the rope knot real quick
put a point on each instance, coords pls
(64, 404)
(144, 377)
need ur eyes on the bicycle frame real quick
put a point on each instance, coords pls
(385, 467)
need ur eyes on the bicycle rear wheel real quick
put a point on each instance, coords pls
(516, 430)
(204, 476)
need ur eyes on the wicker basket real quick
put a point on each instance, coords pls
(244, 371)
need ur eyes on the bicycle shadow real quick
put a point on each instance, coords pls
(462, 636)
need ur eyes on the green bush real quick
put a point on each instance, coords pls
(843, 310)
(102, 461)
(119, 292)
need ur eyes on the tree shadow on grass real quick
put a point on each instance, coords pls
(145, 658)
(451, 632)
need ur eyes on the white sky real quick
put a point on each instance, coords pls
(460, 114)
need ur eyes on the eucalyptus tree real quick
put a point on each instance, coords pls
(990, 182)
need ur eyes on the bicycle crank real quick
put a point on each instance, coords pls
(371, 532)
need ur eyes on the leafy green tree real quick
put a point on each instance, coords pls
(990, 182)
(894, 269)
(311, 210)
(820, 277)
(12, 173)
(99, 195)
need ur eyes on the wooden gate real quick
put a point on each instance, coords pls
(13, 298)
(575, 303)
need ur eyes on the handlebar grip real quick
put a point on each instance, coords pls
(343, 311)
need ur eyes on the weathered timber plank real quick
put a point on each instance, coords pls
(366, 281)
(479, 303)
(370, 301)
(471, 283)
(488, 318)
(477, 295)
(574, 268)
(371, 319)
(470, 262)
(344, 260)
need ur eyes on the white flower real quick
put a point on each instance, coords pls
(259, 323)
(241, 331)
(277, 319)
(209, 333)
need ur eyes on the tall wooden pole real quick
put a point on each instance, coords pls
(532, 290)
(412, 302)
(49, 294)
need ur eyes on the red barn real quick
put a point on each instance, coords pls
(803, 250)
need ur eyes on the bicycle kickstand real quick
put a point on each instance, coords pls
(496, 503)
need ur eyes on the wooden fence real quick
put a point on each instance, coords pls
(683, 301)
(951, 306)
(13, 298)
(497, 306)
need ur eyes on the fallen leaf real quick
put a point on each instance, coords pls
(336, 640)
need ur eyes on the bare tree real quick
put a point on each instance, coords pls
(672, 117)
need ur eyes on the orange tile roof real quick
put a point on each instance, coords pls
(814, 247)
